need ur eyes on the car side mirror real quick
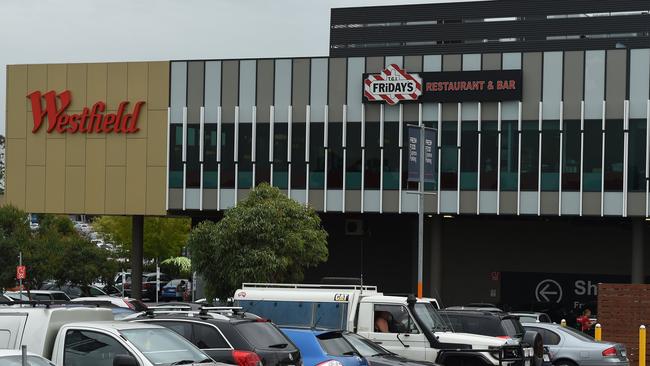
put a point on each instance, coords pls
(124, 360)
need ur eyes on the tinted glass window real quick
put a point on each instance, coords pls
(41, 297)
(90, 348)
(512, 327)
(263, 335)
(322, 315)
(528, 319)
(182, 328)
(60, 296)
(206, 336)
(96, 292)
(335, 345)
(549, 338)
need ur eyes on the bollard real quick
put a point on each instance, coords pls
(642, 345)
(563, 322)
(598, 333)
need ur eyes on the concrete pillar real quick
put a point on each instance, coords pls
(637, 252)
(137, 239)
(435, 256)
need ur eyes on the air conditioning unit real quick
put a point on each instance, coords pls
(354, 227)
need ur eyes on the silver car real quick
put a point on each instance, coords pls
(570, 347)
(531, 317)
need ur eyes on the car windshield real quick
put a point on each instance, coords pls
(17, 361)
(365, 347)
(164, 347)
(429, 317)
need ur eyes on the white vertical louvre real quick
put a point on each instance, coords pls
(499, 158)
(201, 140)
(602, 163)
(519, 160)
(626, 128)
(169, 143)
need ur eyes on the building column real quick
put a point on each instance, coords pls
(435, 256)
(638, 262)
(137, 245)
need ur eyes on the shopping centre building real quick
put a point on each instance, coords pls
(542, 108)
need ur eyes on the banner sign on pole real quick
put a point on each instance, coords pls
(21, 272)
(430, 154)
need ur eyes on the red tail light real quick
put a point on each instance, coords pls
(246, 358)
(504, 337)
(610, 352)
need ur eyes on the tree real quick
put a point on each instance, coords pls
(265, 238)
(14, 232)
(177, 267)
(163, 237)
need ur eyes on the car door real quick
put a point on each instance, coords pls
(402, 336)
(210, 340)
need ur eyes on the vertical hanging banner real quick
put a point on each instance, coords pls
(430, 154)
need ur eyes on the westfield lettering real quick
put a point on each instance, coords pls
(90, 120)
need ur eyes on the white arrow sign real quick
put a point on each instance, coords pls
(548, 291)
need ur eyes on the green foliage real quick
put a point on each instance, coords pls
(163, 237)
(55, 252)
(179, 267)
(14, 231)
(265, 238)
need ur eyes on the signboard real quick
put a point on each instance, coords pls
(392, 85)
(430, 154)
(569, 290)
(90, 120)
(443, 87)
(21, 272)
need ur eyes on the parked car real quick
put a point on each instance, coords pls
(89, 336)
(170, 290)
(16, 296)
(570, 347)
(377, 355)
(228, 335)
(122, 302)
(149, 284)
(324, 348)
(488, 323)
(495, 324)
(74, 291)
(48, 295)
(10, 357)
(532, 317)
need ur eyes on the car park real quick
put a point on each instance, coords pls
(122, 302)
(531, 317)
(74, 291)
(415, 330)
(570, 347)
(227, 334)
(79, 336)
(170, 290)
(324, 348)
(47, 295)
(9, 357)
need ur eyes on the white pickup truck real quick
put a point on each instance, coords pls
(411, 327)
(79, 336)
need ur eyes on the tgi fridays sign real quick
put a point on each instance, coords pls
(394, 85)
(95, 119)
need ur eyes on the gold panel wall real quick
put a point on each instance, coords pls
(94, 173)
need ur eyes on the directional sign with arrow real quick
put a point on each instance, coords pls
(548, 291)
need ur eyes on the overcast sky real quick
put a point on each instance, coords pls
(61, 31)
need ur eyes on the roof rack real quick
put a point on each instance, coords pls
(171, 307)
(236, 310)
(60, 303)
(307, 286)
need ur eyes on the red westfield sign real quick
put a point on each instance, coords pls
(90, 120)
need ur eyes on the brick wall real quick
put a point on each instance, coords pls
(622, 308)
